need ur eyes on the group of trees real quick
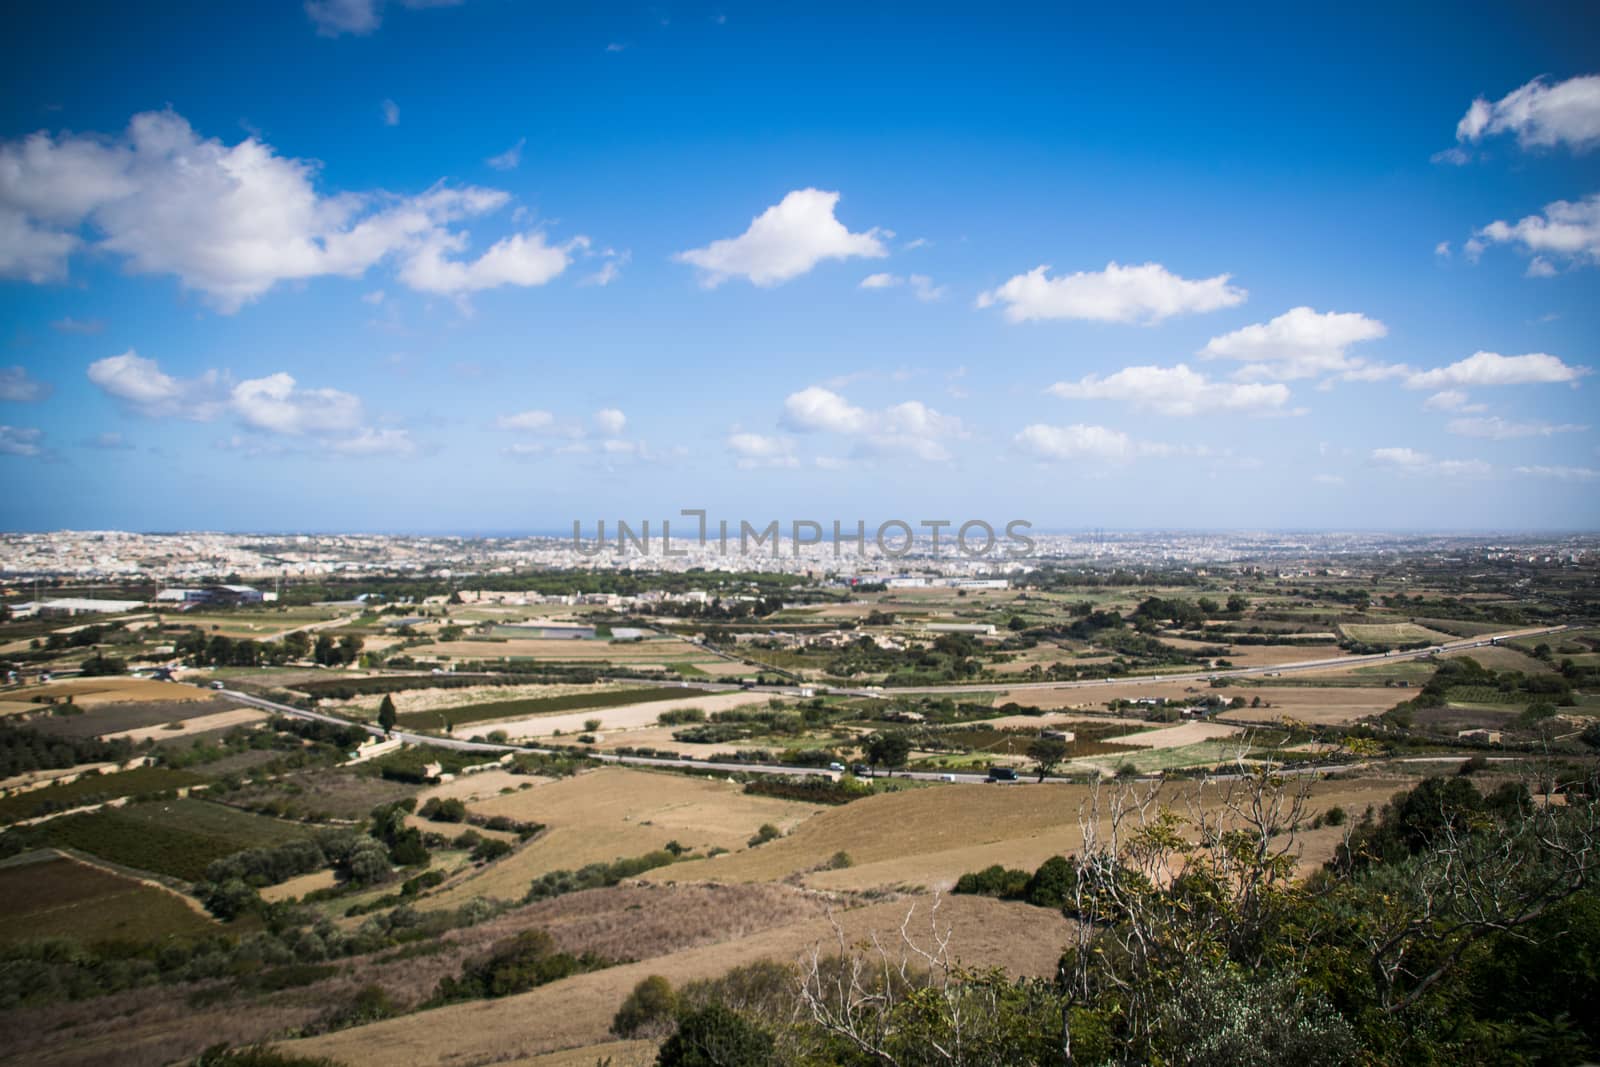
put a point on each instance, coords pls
(24, 749)
(219, 650)
(1453, 926)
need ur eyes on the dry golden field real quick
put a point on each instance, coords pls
(576, 1013)
(614, 813)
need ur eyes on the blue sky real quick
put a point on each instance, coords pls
(491, 267)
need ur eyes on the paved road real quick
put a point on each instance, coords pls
(775, 768)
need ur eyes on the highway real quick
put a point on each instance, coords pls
(459, 745)
(604, 757)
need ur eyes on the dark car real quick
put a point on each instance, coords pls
(1002, 774)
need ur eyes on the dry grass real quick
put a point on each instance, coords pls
(89, 692)
(629, 717)
(221, 720)
(930, 837)
(576, 1013)
(614, 813)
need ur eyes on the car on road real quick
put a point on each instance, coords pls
(836, 767)
(861, 770)
(217, 685)
(1001, 774)
(947, 778)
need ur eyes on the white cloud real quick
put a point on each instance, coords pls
(921, 285)
(1566, 229)
(1567, 474)
(1442, 249)
(610, 421)
(1147, 293)
(523, 259)
(510, 159)
(1076, 442)
(233, 221)
(20, 440)
(753, 450)
(1299, 343)
(370, 442)
(19, 387)
(1451, 400)
(1539, 267)
(275, 403)
(784, 242)
(391, 113)
(533, 421)
(141, 386)
(1541, 115)
(1491, 368)
(1175, 391)
(1497, 429)
(1328, 479)
(911, 427)
(1411, 461)
(816, 408)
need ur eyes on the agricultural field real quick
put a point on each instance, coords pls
(92, 789)
(176, 838)
(591, 699)
(615, 813)
(1393, 633)
(50, 895)
(613, 718)
(929, 837)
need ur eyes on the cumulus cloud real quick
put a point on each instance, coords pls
(911, 427)
(20, 387)
(1491, 368)
(510, 159)
(371, 442)
(391, 113)
(141, 386)
(753, 450)
(1495, 428)
(1299, 343)
(1411, 461)
(273, 406)
(1452, 400)
(1541, 115)
(1143, 294)
(20, 441)
(784, 242)
(532, 421)
(277, 404)
(1565, 229)
(233, 221)
(1078, 441)
(610, 421)
(1176, 391)
(109, 441)
(922, 286)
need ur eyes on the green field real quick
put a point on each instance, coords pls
(58, 897)
(511, 709)
(174, 837)
(93, 789)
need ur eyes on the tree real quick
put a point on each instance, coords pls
(716, 1037)
(1046, 753)
(888, 750)
(648, 1010)
(386, 714)
(1237, 604)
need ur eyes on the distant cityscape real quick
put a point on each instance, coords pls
(169, 558)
